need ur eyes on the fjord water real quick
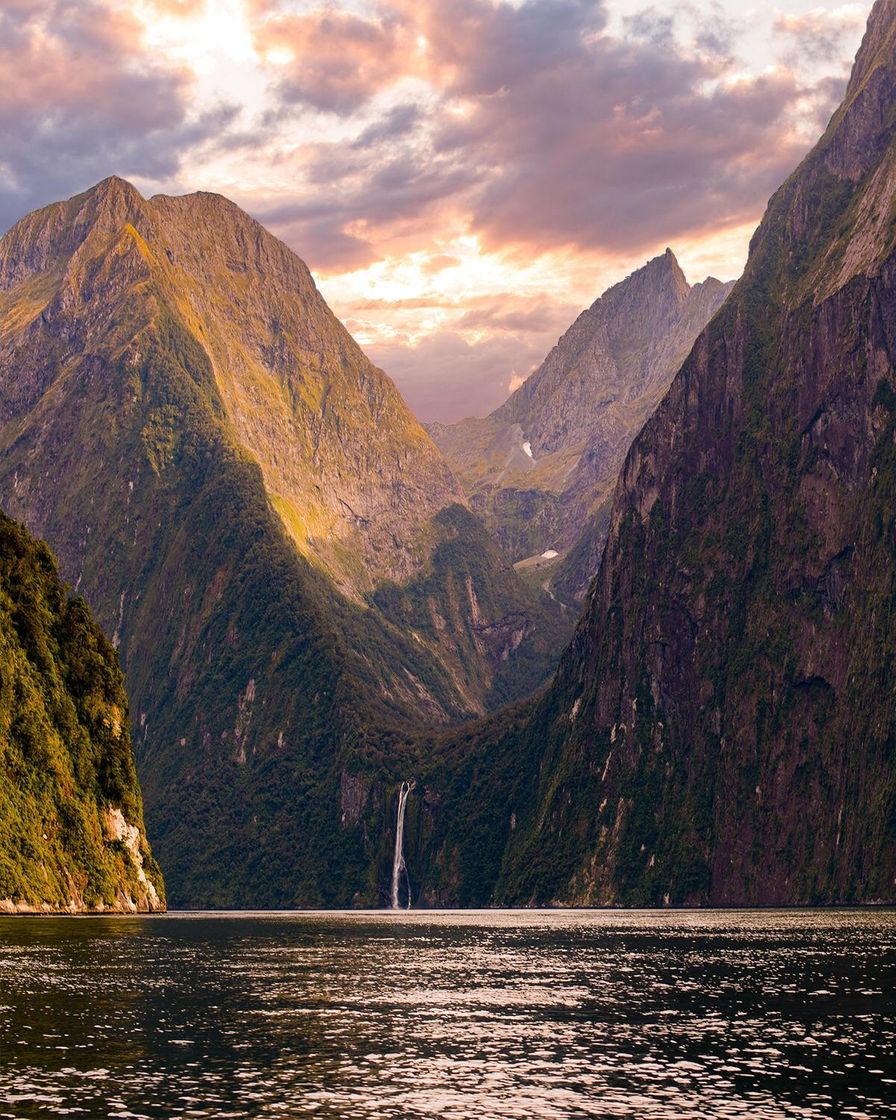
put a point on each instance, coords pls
(460, 1014)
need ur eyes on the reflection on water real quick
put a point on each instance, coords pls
(474, 1014)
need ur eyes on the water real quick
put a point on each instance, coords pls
(398, 864)
(476, 1014)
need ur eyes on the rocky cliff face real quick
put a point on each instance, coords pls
(72, 837)
(723, 728)
(280, 552)
(542, 467)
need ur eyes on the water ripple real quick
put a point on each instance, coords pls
(656, 1016)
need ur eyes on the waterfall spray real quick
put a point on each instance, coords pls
(398, 864)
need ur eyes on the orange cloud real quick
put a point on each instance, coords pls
(542, 129)
(178, 7)
(470, 171)
(335, 60)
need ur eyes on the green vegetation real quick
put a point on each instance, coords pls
(66, 763)
(721, 726)
(292, 598)
(468, 596)
(721, 729)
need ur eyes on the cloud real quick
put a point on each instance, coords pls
(438, 263)
(318, 236)
(542, 129)
(353, 191)
(650, 25)
(335, 60)
(609, 143)
(446, 378)
(817, 35)
(79, 100)
(506, 313)
(397, 123)
(177, 7)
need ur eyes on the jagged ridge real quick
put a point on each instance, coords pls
(541, 468)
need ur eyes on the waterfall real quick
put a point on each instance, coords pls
(398, 864)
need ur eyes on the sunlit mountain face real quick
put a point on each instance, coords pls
(461, 175)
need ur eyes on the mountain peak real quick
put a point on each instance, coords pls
(861, 130)
(628, 319)
(45, 240)
(667, 268)
(113, 186)
(110, 204)
(544, 464)
(877, 46)
(281, 359)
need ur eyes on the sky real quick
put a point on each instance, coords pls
(463, 177)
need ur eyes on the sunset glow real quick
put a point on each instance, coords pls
(462, 176)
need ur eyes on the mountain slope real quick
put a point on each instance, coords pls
(278, 548)
(71, 818)
(722, 728)
(541, 468)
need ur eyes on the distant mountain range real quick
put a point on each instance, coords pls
(541, 468)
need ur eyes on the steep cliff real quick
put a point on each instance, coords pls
(542, 467)
(284, 559)
(71, 817)
(722, 728)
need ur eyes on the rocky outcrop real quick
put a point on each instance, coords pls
(541, 468)
(722, 729)
(72, 838)
(277, 547)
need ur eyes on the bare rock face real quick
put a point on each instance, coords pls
(722, 728)
(352, 474)
(542, 467)
(286, 563)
